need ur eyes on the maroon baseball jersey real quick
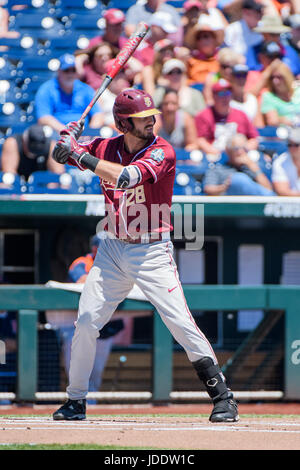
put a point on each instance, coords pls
(145, 207)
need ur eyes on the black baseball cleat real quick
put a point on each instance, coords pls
(225, 411)
(71, 410)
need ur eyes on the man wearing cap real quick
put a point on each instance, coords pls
(190, 16)
(240, 35)
(217, 123)
(161, 27)
(64, 98)
(144, 11)
(113, 31)
(239, 175)
(25, 153)
(272, 29)
(174, 76)
(242, 99)
(286, 168)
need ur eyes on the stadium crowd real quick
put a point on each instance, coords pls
(220, 71)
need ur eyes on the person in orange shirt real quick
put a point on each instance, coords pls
(204, 42)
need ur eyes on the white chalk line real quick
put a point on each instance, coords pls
(47, 424)
(203, 428)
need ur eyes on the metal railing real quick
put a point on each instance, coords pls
(28, 300)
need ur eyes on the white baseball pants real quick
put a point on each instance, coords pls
(117, 267)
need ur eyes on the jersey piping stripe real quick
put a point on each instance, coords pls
(186, 306)
(150, 169)
(119, 155)
(143, 150)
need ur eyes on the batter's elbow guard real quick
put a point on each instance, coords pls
(211, 375)
(130, 176)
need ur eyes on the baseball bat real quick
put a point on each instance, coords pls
(121, 59)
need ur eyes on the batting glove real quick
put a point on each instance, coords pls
(70, 145)
(59, 154)
(75, 128)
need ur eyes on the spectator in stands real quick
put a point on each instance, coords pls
(239, 176)
(145, 11)
(204, 42)
(174, 75)
(4, 22)
(286, 168)
(219, 122)
(174, 124)
(151, 74)
(63, 98)
(281, 103)
(212, 15)
(25, 153)
(227, 58)
(114, 29)
(268, 53)
(161, 27)
(272, 28)
(94, 67)
(190, 16)
(242, 99)
(113, 35)
(240, 34)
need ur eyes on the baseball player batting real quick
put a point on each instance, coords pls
(136, 171)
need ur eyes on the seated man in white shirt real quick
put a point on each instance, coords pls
(286, 168)
(239, 35)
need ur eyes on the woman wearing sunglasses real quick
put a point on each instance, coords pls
(281, 102)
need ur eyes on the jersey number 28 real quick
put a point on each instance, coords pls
(135, 195)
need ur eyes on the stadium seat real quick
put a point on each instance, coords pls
(176, 3)
(89, 25)
(16, 128)
(121, 4)
(69, 43)
(70, 8)
(43, 6)
(192, 170)
(43, 182)
(268, 131)
(11, 184)
(41, 67)
(182, 154)
(25, 46)
(8, 70)
(92, 186)
(186, 185)
(272, 147)
(197, 86)
(37, 25)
